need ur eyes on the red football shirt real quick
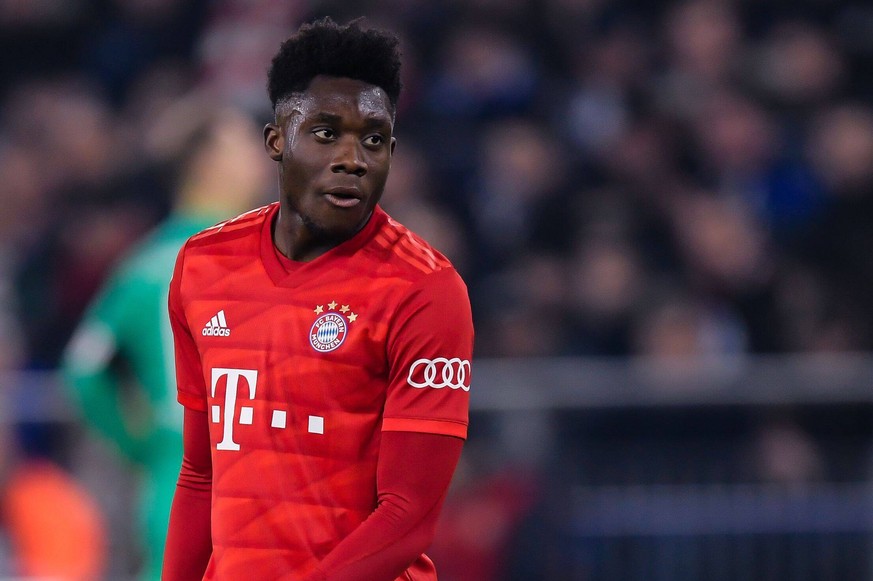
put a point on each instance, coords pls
(300, 366)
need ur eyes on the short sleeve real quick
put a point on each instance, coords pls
(430, 350)
(189, 373)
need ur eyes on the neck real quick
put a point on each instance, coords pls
(299, 239)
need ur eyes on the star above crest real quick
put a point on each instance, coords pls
(332, 306)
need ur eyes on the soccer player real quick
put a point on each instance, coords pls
(322, 349)
(119, 364)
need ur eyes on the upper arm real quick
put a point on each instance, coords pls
(415, 469)
(430, 349)
(196, 449)
(97, 339)
(189, 372)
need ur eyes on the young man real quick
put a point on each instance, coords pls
(322, 349)
(119, 364)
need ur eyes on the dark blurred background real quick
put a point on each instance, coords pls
(663, 212)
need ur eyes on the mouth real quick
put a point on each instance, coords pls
(343, 197)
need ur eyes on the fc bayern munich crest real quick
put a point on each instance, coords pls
(330, 329)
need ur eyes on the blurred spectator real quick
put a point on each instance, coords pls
(520, 170)
(677, 328)
(784, 453)
(704, 47)
(605, 276)
(841, 150)
(134, 34)
(484, 72)
(64, 145)
(798, 65)
(524, 308)
(239, 36)
(116, 365)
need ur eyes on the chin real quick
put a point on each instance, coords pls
(330, 230)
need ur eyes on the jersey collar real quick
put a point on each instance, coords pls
(291, 273)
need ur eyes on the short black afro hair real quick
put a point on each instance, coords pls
(323, 47)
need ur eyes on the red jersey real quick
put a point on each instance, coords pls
(300, 367)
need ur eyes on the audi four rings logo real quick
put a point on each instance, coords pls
(439, 373)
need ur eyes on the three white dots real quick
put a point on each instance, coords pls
(279, 419)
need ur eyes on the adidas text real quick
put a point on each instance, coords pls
(215, 332)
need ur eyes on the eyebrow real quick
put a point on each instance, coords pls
(376, 123)
(327, 117)
(369, 123)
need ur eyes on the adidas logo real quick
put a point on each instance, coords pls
(217, 326)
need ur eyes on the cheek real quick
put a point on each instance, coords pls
(301, 166)
(380, 178)
(379, 167)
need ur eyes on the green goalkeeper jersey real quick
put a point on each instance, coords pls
(119, 369)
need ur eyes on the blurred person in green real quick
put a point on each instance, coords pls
(119, 364)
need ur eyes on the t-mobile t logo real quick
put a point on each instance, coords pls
(245, 412)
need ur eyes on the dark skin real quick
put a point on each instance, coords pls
(333, 143)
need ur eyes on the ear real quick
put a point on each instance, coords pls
(273, 141)
(393, 144)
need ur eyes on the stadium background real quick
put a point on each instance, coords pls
(663, 212)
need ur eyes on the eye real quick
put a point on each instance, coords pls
(374, 140)
(324, 134)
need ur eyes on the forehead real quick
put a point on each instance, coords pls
(343, 96)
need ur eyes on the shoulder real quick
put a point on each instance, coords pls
(407, 255)
(245, 225)
(216, 254)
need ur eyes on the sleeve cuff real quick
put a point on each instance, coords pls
(191, 401)
(443, 427)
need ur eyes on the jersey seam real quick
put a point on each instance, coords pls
(427, 419)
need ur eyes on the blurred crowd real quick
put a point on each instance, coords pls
(612, 177)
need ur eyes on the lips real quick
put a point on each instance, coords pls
(342, 197)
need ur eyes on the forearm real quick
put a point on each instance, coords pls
(98, 397)
(381, 548)
(189, 538)
(414, 472)
(189, 542)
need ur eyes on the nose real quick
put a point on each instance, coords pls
(349, 158)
